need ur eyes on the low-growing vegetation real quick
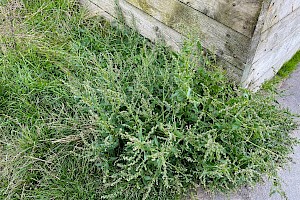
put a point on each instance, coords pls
(283, 73)
(91, 110)
(289, 66)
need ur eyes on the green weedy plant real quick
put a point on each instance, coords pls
(91, 110)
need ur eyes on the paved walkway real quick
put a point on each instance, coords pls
(291, 176)
(292, 101)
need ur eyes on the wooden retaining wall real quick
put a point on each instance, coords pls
(254, 38)
(276, 40)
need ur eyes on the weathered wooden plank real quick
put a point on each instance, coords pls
(271, 72)
(254, 43)
(154, 29)
(233, 72)
(231, 45)
(286, 33)
(278, 10)
(145, 24)
(277, 45)
(95, 10)
(108, 6)
(240, 15)
(280, 31)
(272, 61)
(268, 49)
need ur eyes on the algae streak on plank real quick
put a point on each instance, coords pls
(240, 15)
(145, 24)
(152, 28)
(231, 45)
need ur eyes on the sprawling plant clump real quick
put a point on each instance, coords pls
(90, 110)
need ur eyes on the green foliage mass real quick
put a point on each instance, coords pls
(93, 110)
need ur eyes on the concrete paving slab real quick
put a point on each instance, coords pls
(291, 100)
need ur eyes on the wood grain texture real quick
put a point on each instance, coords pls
(272, 63)
(278, 10)
(272, 43)
(287, 28)
(154, 29)
(240, 15)
(145, 24)
(271, 72)
(216, 37)
(95, 10)
(277, 45)
(254, 43)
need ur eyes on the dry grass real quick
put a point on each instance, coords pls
(13, 28)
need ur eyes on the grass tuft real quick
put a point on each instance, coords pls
(90, 111)
(289, 66)
(283, 73)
